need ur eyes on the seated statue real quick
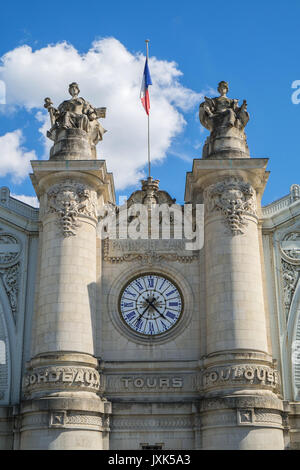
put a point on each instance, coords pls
(76, 113)
(223, 111)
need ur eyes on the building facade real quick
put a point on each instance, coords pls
(110, 339)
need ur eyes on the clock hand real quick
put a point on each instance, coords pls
(153, 306)
(142, 314)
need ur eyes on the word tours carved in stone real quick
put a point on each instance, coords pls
(152, 382)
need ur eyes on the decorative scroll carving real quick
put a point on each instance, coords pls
(70, 199)
(290, 276)
(290, 246)
(10, 248)
(234, 199)
(151, 257)
(10, 278)
(146, 257)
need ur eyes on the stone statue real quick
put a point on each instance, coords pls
(226, 121)
(75, 114)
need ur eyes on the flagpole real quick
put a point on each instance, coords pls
(149, 160)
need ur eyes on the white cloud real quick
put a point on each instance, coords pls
(14, 159)
(2, 92)
(108, 75)
(30, 200)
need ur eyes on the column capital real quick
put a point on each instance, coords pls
(208, 172)
(92, 172)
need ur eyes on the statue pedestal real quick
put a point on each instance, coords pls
(71, 144)
(226, 142)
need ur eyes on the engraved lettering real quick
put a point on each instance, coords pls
(177, 382)
(138, 383)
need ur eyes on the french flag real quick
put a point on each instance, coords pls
(144, 88)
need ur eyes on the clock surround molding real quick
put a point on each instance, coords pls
(134, 272)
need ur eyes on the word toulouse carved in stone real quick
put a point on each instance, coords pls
(242, 374)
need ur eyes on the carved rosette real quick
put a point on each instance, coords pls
(70, 200)
(233, 198)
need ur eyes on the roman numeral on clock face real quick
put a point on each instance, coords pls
(151, 304)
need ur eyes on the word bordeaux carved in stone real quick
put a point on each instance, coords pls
(242, 373)
(69, 376)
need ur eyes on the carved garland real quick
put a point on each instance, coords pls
(149, 257)
(234, 199)
(69, 200)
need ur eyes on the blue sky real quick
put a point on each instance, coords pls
(254, 46)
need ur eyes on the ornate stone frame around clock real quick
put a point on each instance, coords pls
(135, 271)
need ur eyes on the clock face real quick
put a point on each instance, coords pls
(150, 304)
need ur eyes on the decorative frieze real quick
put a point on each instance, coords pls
(290, 266)
(290, 247)
(256, 417)
(118, 251)
(69, 200)
(152, 423)
(10, 277)
(73, 419)
(290, 276)
(233, 198)
(10, 249)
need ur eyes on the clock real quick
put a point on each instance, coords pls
(150, 304)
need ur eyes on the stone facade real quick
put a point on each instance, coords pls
(75, 375)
